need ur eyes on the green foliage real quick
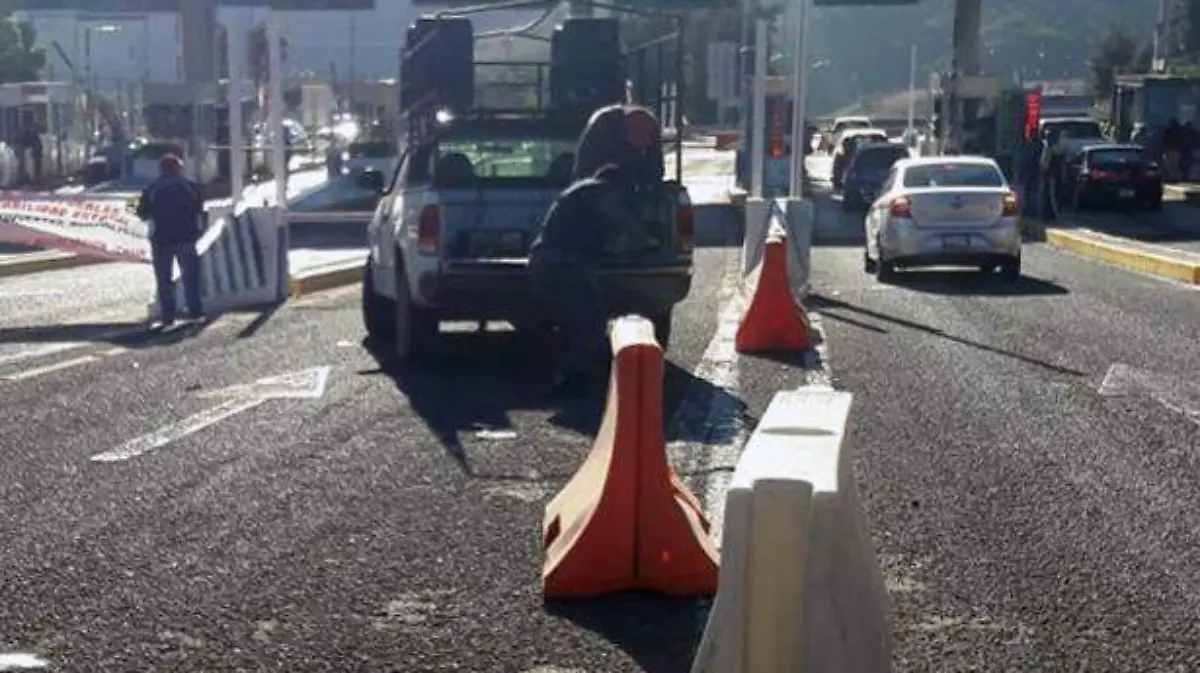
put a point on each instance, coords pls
(1118, 52)
(21, 58)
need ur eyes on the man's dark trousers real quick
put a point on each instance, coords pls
(163, 254)
(574, 297)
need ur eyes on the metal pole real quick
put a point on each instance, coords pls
(912, 88)
(275, 88)
(758, 128)
(1160, 25)
(800, 68)
(235, 41)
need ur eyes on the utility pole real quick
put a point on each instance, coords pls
(1158, 60)
(758, 127)
(800, 68)
(912, 89)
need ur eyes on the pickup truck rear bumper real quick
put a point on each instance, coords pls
(468, 291)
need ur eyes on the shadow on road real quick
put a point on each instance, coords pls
(960, 282)
(477, 379)
(836, 310)
(661, 634)
(126, 334)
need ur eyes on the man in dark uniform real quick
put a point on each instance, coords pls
(174, 207)
(592, 219)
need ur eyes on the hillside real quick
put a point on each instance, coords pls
(866, 49)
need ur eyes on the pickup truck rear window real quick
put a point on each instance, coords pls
(519, 162)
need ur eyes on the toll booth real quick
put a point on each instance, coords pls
(186, 116)
(51, 109)
(1143, 105)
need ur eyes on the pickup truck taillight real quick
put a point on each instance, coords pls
(685, 227)
(429, 230)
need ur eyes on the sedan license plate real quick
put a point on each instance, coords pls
(956, 242)
(1125, 194)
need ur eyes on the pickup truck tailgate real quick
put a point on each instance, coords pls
(492, 223)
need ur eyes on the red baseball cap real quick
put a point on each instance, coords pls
(170, 161)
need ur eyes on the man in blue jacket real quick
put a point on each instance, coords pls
(591, 220)
(174, 208)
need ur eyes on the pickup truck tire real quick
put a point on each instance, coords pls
(415, 331)
(662, 329)
(379, 312)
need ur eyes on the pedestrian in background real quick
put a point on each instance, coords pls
(174, 208)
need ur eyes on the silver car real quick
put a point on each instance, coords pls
(950, 210)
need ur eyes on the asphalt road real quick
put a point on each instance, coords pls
(1029, 516)
(392, 523)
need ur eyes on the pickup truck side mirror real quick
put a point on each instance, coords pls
(370, 179)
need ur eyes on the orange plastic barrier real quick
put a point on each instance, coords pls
(774, 322)
(625, 522)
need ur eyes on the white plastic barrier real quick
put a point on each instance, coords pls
(243, 262)
(792, 219)
(801, 590)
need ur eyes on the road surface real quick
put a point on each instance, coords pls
(389, 522)
(1029, 459)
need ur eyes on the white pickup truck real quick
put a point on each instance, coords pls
(450, 237)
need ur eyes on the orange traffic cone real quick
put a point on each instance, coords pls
(625, 522)
(774, 322)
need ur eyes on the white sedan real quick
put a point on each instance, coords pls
(949, 210)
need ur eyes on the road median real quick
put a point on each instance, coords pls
(1151, 259)
(326, 277)
(44, 260)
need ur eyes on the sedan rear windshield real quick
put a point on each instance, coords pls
(1075, 129)
(880, 157)
(1115, 157)
(952, 175)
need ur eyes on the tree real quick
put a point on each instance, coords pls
(1182, 41)
(22, 59)
(1117, 52)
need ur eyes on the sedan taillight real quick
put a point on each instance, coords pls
(901, 207)
(1011, 205)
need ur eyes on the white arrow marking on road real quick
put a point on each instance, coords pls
(20, 661)
(307, 384)
(1175, 393)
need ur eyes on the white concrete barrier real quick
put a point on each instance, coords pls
(243, 262)
(801, 590)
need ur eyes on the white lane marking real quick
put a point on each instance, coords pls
(26, 374)
(1177, 394)
(177, 431)
(29, 294)
(305, 384)
(816, 365)
(713, 432)
(21, 661)
(41, 351)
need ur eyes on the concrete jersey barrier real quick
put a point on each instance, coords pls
(800, 588)
(243, 262)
